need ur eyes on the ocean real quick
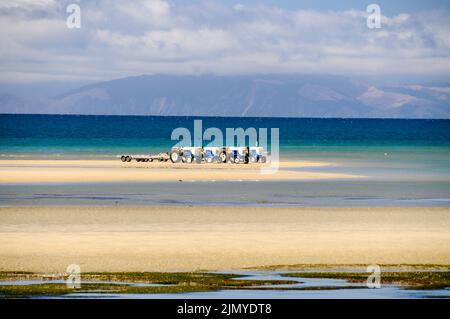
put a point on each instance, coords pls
(403, 162)
(86, 136)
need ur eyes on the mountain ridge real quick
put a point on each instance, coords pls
(264, 95)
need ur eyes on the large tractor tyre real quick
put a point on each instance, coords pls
(175, 157)
(223, 157)
(123, 158)
(129, 158)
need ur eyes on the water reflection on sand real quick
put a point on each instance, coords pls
(312, 288)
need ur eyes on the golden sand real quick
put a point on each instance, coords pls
(82, 171)
(131, 238)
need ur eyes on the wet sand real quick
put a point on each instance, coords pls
(84, 171)
(152, 238)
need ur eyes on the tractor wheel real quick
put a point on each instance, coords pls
(175, 157)
(129, 158)
(123, 158)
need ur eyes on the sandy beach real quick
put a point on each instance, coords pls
(45, 239)
(83, 171)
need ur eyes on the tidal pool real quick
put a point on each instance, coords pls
(303, 288)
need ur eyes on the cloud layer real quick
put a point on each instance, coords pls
(121, 38)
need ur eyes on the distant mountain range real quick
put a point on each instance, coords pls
(250, 95)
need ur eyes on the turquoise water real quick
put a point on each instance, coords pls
(373, 147)
(422, 145)
(401, 162)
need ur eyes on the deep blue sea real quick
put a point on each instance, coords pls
(69, 135)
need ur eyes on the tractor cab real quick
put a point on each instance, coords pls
(211, 154)
(186, 154)
(238, 155)
(257, 155)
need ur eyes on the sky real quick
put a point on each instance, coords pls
(390, 7)
(126, 38)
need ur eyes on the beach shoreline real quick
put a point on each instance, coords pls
(166, 238)
(98, 171)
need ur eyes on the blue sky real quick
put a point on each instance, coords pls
(125, 38)
(389, 6)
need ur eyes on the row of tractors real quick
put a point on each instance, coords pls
(236, 155)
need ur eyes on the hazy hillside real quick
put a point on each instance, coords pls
(255, 95)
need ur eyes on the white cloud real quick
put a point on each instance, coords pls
(26, 4)
(124, 38)
(146, 13)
